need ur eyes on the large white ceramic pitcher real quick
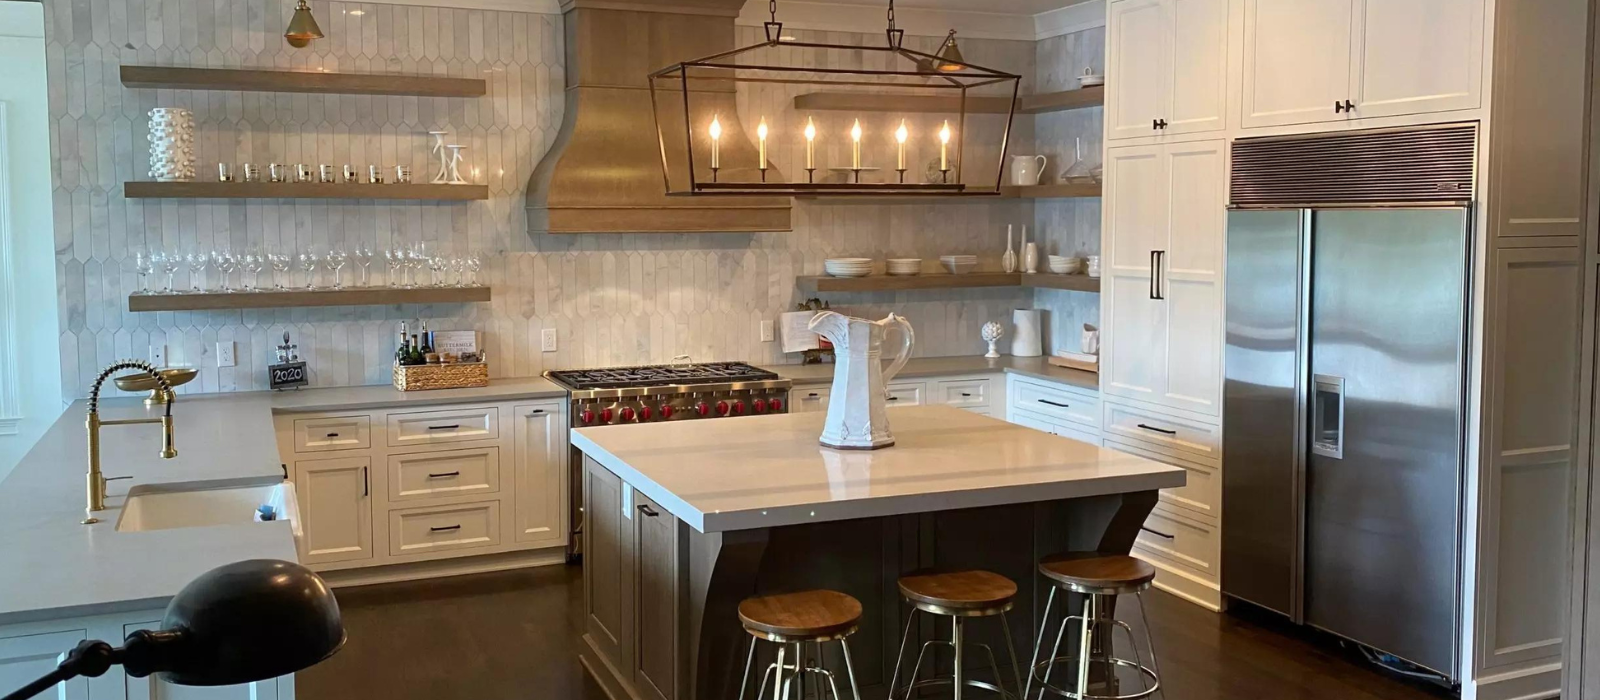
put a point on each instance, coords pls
(857, 415)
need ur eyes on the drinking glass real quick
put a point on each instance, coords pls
(437, 265)
(335, 260)
(474, 263)
(144, 264)
(280, 265)
(395, 259)
(458, 264)
(197, 266)
(253, 262)
(171, 261)
(415, 258)
(364, 255)
(308, 265)
(225, 262)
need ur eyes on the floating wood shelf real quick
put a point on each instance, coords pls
(180, 78)
(875, 102)
(1076, 283)
(301, 190)
(368, 296)
(1052, 191)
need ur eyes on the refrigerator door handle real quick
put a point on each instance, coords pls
(1327, 416)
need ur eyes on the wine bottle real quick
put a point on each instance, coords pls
(417, 357)
(402, 353)
(427, 339)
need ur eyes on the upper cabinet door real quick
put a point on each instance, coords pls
(1139, 50)
(1296, 60)
(1135, 209)
(1199, 73)
(1414, 56)
(1191, 276)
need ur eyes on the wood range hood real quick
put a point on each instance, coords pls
(603, 173)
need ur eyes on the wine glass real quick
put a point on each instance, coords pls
(437, 265)
(308, 265)
(253, 262)
(458, 264)
(280, 265)
(395, 259)
(335, 260)
(144, 264)
(474, 263)
(197, 266)
(415, 258)
(171, 261)
(226, 262)
(364, 255)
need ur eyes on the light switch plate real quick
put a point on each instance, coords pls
(547, 340)
(766, 331)
(225, 354)
(158, 355)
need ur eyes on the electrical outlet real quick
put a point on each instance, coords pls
(766, 331)
(225, 354)
(547, 340)
(158, 355)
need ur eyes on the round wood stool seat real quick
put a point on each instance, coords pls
(966, 593)
(807, 616)
(1096, 573)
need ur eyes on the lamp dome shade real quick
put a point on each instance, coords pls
(249, 621)
(950, 59)
(302, 27)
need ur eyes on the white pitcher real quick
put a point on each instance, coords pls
(1026, 170)
(857, 408)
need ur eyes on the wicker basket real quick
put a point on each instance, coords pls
(451, 376)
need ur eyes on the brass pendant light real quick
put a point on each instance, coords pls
(950, 59)
(302, 27)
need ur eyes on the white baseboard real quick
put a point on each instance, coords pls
(1535, 683)
(413, 571)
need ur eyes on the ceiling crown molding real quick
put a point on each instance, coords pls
(1069, 19)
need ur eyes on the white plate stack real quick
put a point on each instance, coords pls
(847, 267)
(959, 264)
(904, 266)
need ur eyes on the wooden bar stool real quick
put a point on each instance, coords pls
(807, 617)
(1100, 578)
(957, 595)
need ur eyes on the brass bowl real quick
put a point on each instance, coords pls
(144, 381)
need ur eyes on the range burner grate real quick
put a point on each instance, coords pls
(661, 375)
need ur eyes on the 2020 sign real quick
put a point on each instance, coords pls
(287, 375)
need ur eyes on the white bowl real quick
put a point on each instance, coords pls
(848, 261)
(849, 273)
(959, 268)
(1091, 80)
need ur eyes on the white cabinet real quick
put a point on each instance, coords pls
(541, 435)
(24, 658)
(335, 508)
(1168, 67)
(1162, 290)
(975, 393)
(1309, 61)
(906, 393)
(809, 399)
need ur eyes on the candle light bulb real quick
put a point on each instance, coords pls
(811, 130)
(944, 144)
(716, 143)
(716, 127)
(944, 133)
(761, 133)
(901, 134)
(855, 131)
(811, 145)
(855, 148)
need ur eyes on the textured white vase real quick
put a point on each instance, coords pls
(172, 144)
(858, 416)
(1027, 340)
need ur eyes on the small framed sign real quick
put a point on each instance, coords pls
(289, 375)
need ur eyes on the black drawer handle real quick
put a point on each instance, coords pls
(813, 395)
(894, 398)
(445, 427)
(1053, 403)
(536, 411)
(442, 475)
(332, 435)
(966, 394)
(1154, 429)
(648, 511)
(444, 528)
(1157, 533)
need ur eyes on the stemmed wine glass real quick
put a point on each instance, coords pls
(364, 255)
(197, 266)
(458, 264)
(474, 263)
(415, 257)
(144, 263)
(280, 265)
(253, 262)
(436, 265)
(171, 261)
(395, 259)
(335, 260)
(308, 265)
(226, 262)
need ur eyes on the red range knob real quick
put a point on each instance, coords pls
(738, 408)
(627, 413)
(666, 411)
(722, 408)
(759, 405)
(644, 413)
(587, 416)
(605, 415)
(776, 405)
(702, 409)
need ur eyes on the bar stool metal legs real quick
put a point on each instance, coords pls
(958, 595)
(791, 622)
(1099, 579)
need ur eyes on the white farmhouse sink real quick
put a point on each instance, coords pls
(164, 507)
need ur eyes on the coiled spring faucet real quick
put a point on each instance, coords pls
(96, 480)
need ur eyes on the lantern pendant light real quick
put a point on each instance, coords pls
(302, 27)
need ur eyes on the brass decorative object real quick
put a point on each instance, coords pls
(453, 376)
(144, 381)
(302, 27)
(695, 102)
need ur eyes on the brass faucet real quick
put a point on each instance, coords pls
(96, 480)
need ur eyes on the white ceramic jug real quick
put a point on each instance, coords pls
(1026, 170)
(857, 408)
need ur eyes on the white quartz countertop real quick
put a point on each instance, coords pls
(951, 366)
(52, 566)
(769, 471)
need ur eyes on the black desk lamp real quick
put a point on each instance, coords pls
(239, 623)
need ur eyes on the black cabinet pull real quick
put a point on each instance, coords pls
(444, 528)
(1157, 533)
(332, 435)
(1158, 430)
(366, 486)
(442, 475)
(536, 411)
(1053, 403)
(1349, 106)
(285, 468)
(1158, 267)
(1155, 124)
(1162, 125)
(966, 394)
(648, 511)
(444, 427)
(813, 395)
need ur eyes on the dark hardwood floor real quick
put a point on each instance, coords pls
(513, 636)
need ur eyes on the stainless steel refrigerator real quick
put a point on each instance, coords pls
(1344, 409)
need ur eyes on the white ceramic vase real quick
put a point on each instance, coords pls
(1028, 339)
(1008, 261)
(858, 405)
(172, 144)
(1030, 258)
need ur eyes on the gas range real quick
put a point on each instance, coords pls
(659, 393)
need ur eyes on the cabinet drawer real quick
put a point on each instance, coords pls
(963, 393)
(443, 528)
(1180, 541)
(336, 433)
(1201, 494)
(448, 473)
(907, 394)
(453, 425)
(1075, 431)
(1181, 435)
(808, 399)
(1057, 403)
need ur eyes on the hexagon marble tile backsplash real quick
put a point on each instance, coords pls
(613, 298)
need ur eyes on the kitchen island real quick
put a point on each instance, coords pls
(684, 521)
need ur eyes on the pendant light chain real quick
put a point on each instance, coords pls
(773, 27)
(896, 36)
